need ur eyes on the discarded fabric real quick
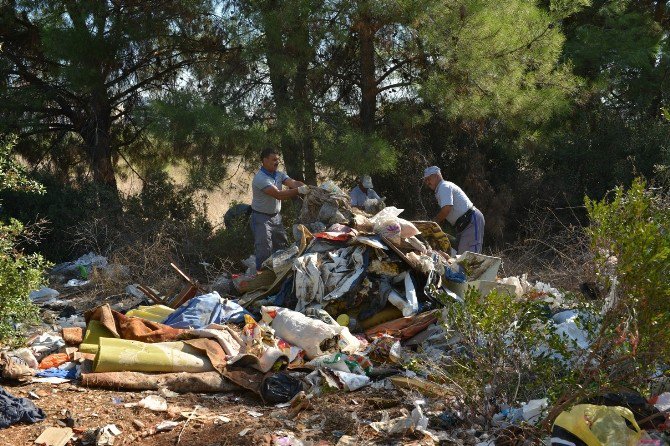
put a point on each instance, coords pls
(15, 410)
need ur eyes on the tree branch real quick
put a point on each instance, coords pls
(396, 85)
(393, 68)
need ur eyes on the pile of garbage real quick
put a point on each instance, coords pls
(334, 312)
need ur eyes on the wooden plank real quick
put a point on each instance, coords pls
(185, 295)
(150, 294)
(182, 274)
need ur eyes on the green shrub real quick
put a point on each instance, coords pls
(506, 352)
(630, 236)
(19, 273)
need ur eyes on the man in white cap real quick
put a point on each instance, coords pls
(458, 210)
(363, 192)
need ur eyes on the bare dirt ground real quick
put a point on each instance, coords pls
(329, 419)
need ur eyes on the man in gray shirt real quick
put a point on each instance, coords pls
(267, 193)
(458, 210)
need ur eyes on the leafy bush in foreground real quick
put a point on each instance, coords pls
(19, 273)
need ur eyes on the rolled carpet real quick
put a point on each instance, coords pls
(119, 355)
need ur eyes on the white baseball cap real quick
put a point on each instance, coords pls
(430, 171)
(366, 181)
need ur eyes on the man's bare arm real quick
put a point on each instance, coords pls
(442, 215)
(280, 194)
(293, 184)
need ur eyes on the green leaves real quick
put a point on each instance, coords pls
(631, 238)
(12, 174)
(357, 152)
(497, 60)
(19, 273)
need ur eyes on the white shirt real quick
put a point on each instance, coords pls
(358, 197)
(448, 194)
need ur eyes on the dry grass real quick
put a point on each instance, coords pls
(552, 249)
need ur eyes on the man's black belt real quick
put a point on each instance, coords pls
(463, 221)
(264, 213)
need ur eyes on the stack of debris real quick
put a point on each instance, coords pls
(331, 312)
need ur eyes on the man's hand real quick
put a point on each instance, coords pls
(303, 190)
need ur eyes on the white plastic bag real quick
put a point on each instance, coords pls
(407, 228)
(312, 335)
(387, 212)
(388, 228)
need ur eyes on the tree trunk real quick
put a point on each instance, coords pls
(96, 133)
(290, 105)
(303, 107)
(368, 108)
(659, 12)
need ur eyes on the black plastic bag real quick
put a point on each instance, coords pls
(279, 388)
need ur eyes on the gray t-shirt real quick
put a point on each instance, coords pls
(260, 201)
(358, 197)
(448, 194)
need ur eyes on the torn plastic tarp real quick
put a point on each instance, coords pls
(283, 259)
(568, 328)
(308, 284)
(15, 410)
(344, 272)
(205, 310)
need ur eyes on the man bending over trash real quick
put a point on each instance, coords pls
(267, 193)
(458, 210)
(363, 192)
